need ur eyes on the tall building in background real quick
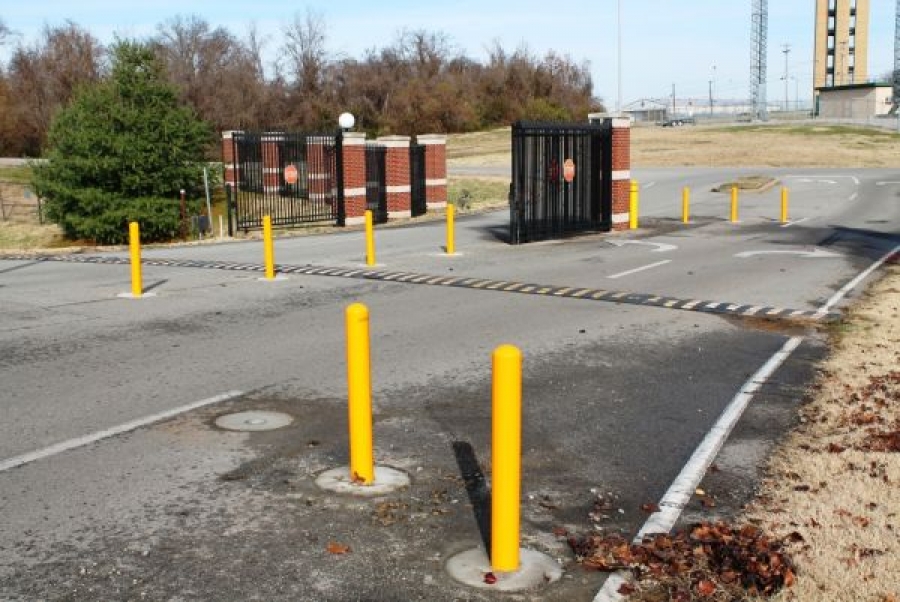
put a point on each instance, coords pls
(842, 43)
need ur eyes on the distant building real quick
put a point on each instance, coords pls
(856, 101)
(647, 110)
(842, 43)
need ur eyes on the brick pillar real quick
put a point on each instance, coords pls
(435, 169)
(621, 172)
(399, 195)
(271, 160)
(229, 161)
(355, 177)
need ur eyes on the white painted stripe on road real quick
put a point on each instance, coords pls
(854, 178)
(112, 432)
(685, 484)
(836, 298)
(799, 221)
(640, 269)
(853, 197)
(681, 490)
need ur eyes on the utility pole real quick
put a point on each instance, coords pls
(786, 50)
(673, 101)
(619, 58)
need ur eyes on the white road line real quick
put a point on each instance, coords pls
(854, 178)
(836, 298)
(798, 221)
(853, 197)
(649, 185)
(62, 446)
(640, 269)
(682, 488)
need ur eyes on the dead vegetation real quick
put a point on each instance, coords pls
(825, 524)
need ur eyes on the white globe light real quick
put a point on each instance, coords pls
(346, 120)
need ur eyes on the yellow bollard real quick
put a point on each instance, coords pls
(362, 464)
(134, 243)
(734, 204)
(451, 242)
(268, 248)
(634, 200)
(784, 205)
(506, 450)
(685, 205)
(370, 239)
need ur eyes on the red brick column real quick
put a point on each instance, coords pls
(435, 169)
(399, 191)
(355, 177)
(621, 172)
(229, 161)
(271, 161)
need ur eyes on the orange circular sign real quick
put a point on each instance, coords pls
(569, 170)
(290, 174)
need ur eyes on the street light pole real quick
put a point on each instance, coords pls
(619, 57)
(786, 51)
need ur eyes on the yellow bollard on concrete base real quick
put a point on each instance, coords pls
(362, 463)
(506, 451)
(268, 248)
(633, 205)
(361, 477)
(134, 243)
(451, 234)
(370, 239)
(784, 205)
(734, 204)
(685, 205)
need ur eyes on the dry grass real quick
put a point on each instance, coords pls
(826, 482)
(764, 146)
(775, 145)
(24, 236)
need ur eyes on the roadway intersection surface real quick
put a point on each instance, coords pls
(115, 483)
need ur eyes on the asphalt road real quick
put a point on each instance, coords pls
(617, 396)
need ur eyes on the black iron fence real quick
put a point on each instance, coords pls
(376, 182)
(418, 202)
(562, 180)
(293, 177)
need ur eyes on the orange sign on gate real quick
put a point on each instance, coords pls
(290, 174)
(569, 170)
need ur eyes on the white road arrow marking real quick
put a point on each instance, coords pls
(661, 247)
(814, 254)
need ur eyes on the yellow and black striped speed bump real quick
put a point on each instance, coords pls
(570, 292)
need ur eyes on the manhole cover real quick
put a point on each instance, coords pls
(254, 421)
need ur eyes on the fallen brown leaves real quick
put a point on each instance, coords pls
(706, 559)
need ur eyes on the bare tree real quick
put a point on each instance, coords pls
(45, 76)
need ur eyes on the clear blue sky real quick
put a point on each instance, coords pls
(664, 42)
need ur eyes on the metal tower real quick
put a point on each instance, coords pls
(760, 19)
(896, 74)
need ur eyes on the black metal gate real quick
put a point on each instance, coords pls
(418, 202)
(562, 180)
(376, 182)
(294, 178)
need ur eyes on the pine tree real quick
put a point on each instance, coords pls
(120, 152)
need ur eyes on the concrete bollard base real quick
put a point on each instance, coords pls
(387, 480)
(535, 569)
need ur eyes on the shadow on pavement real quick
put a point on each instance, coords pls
(476, 488)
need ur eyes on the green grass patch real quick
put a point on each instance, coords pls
(475, 193)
